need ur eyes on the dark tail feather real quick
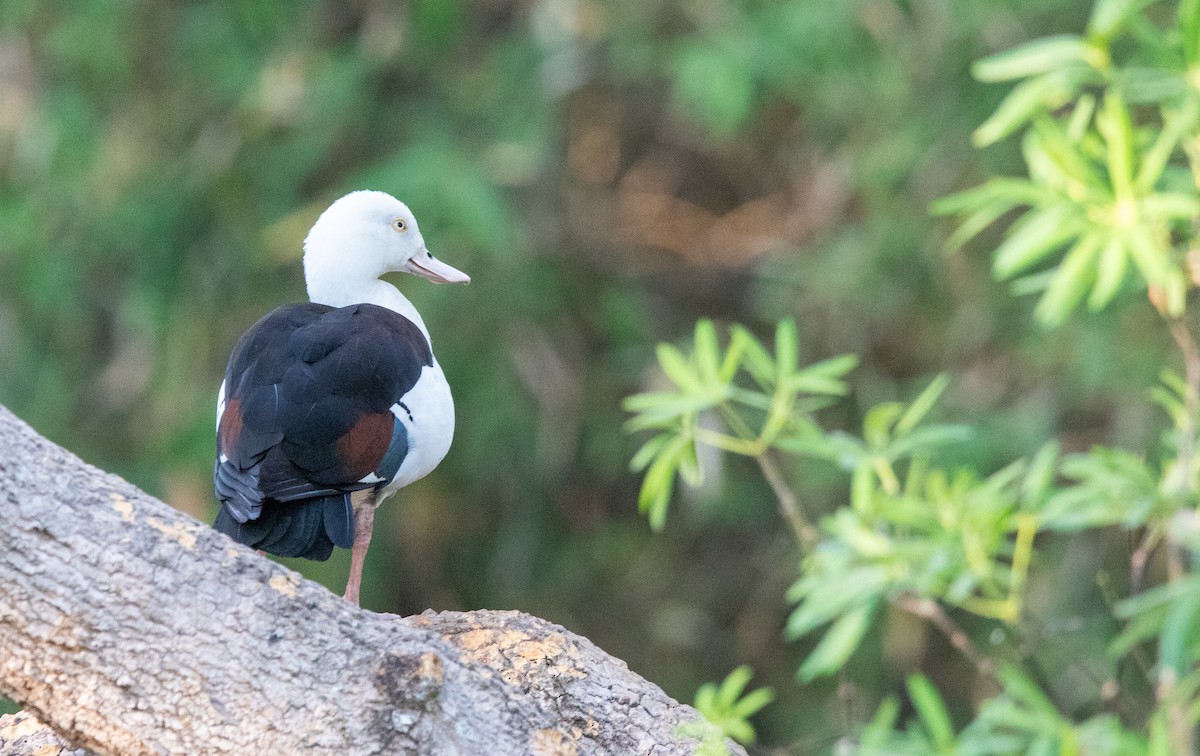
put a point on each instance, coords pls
(339, 520)
(307, 528)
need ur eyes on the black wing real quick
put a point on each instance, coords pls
(307, 419)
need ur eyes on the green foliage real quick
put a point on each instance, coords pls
(729, 708)
(1109, 123)
(1107, 184)
(941, 535)
(1020, 720)
(760, 401)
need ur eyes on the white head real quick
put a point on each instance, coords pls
(359, 238)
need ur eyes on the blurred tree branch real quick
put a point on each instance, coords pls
(130, 628)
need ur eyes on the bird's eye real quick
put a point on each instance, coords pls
(399, 224)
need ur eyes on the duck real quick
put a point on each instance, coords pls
(330, 406)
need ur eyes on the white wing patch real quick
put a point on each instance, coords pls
(220, 405)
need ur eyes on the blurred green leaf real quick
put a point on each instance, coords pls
(679, 369)
(919, 407)
(707, 352)
(1034, 237)
(728, 709)
(1114, 124)
(838, 642)
(1074, 277)
(1110, 274)
(1036, 57)
(1039, 94)
(932, 711)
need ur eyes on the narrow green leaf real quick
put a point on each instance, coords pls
(928, 438)
(1036, 57)
(1110, 274)
(750, 398)
(932, 711)
(659, 481)
(1020, 687)
(922, 404)
(1040, 94)
(1189, 30)
(786, 357)
(1040, 476)
(706, 699)
(879, 730)
(1081, 116)
(1114, 124)
(758, 360)
(838, 643)
(1034, 283)
(974, 223)
(667, 413)
(648, 399)
(862, 486)
(689, 466)
(1172, 205)
(879, 421)
(834, 367)
(825, 597)
(655, 506)
(1057, 160)
(1173, 381)
(1039, 233)
(815, 384)
(733, 685)
(656, 408)
(1179, 632)
(1005, 192)
(753, 702)
(678, 369)
(1155, 159)
(1108, 16)
(1071, 282)
(733, 356)
(836, 448)
(648, 451)
(1140, 629)
(707, 352)
(1150, 253)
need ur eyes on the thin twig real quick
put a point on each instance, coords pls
(932, 611)
(789, 506)
(1141, 557)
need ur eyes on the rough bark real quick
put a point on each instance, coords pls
(130, 628)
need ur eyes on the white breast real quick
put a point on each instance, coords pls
(430, 427)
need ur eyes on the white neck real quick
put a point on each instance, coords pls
(344, 290)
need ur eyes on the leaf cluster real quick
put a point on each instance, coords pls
(727, 707)
(760, 401)
(1110, 188)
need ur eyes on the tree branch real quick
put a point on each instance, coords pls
(932, 611)
(789, 506)
(130, 628)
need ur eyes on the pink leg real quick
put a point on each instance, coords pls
(364, 523)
